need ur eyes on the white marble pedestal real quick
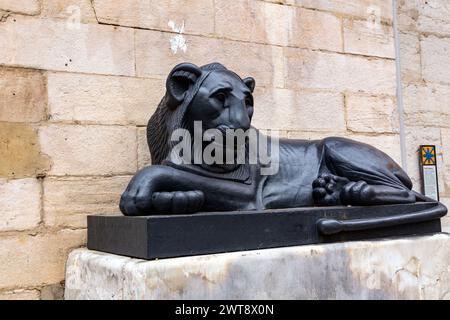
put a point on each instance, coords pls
(409, 268)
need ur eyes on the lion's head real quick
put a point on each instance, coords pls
(212, 94)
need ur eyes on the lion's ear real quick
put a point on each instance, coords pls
(180, 80)
(250, 83)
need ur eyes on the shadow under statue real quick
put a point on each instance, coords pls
(317, 179)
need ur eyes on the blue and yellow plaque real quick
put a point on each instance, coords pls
(428, 155)
(428, 166)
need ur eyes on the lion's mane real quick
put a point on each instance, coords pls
(168, 118)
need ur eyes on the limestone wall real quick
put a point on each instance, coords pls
(424, 28)
(80, 78)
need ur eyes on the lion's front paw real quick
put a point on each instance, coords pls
(327, 189)
(178, 202)
(357, 193)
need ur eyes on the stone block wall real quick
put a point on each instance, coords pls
(80, 78)
(424, 28)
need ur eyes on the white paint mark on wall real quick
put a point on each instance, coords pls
(74, 20)
(374, 17)
(177, 42)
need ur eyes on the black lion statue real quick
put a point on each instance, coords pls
(329, 172)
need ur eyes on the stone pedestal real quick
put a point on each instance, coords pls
(171, 236)
(408, 268)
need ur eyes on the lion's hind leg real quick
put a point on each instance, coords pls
(362, 193)
(331, 190)
(374, 178)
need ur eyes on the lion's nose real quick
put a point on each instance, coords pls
(239, 117)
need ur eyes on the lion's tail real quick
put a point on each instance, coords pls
(334, 226)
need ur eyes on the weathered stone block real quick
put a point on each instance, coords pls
(79, 267)
(73, 11)
(144, 157)
(371, 113)
(435, 59)
(157, 53)
(20, 203)
(36, 260)
(23, 95)
(258, 21)
(192, 16)
(253, 21)
(20, 295)
(90, 150)
(20, 151)
(445, 132)
(407, 15)
(62, 46)
(284, 109)
(102, 99)
(361, 37)
(320, 70)
(434, 25)
(389, 269)
(372, 10)
(427, 104)
(28, 7)
(67, 201)
(315, 30)
(438, 9)
(53, 292)
(426, 16)
(446, 220)
(410, 58)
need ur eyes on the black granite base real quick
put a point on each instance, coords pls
(167, 236)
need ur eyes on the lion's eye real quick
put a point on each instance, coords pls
(221, 97)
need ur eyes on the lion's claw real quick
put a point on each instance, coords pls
(327, 189)
(178, 202)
